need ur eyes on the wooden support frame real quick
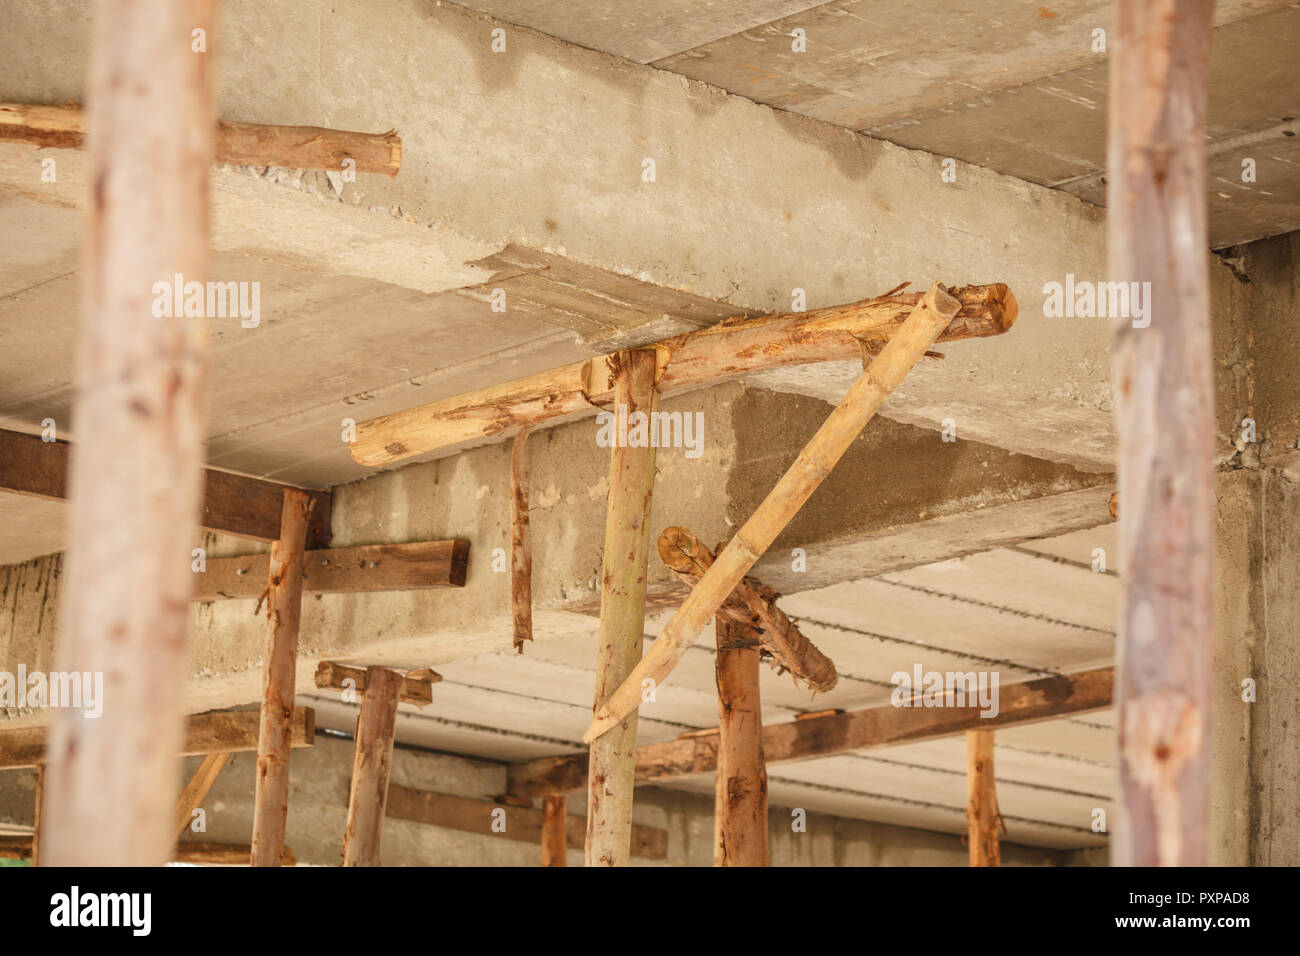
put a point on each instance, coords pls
(1162, 374)
(373, 567)
(555, 840)
(927, 320)
(189, 851)
(752, 605)
(197, 789)
(982, 818)
(824, 735)
(284, 611)
(372, 760)
(622, 616)
(232, 504)
(523, 823)
(740, 811)
(730, 349)
(229, 730)
(413, 687)
(136, 480)
(241, 144)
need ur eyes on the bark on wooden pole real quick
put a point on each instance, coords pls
(740, 814)
(521, 555)
(982, 817)
(1162, 376)
(372, 758)
(279, 665)
(612, 766)
(139, 410)
(918, 332)
(555, 837)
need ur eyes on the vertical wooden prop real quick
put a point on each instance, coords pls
(36, 818)
(372, 759)
(140, 425)
(982, 818)
(1164, 411)
(275, 732)
(521, 555)
(740, 814)
(622, 616)
(555, 830)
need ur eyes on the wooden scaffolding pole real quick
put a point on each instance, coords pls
(136, 475)
(982, 818)
(521, 555)
(372, 759)
(275, 732)
(612, 766)
(1162, 376)
(37, 813)
(555, 836)
(740, 812)
(928, 318)
(196, 790)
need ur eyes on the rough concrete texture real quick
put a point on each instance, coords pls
(318, 813)
(977, 504)
(543, 146)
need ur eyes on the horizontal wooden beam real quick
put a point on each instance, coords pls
(376, 567)
(521, 823)
(416, 686)
(232, 504)
(833, 733)
(19, 847)
(243, 144)
(221, 732)
(732, 348)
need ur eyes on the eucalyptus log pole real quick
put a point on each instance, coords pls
(275, 731)
(372, 759)
(555, 836)
(982, 818)
(136, 477)
(740, 813)
(37, 814)
(245, 144)
(1162, 375)
(612, 766)
(521, 555)
(196, 790)
(929, 317)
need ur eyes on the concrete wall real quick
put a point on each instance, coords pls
(318, 813)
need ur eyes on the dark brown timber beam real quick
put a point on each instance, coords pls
(376, 567)
(226, 731)
(822, 736)
(232, 504)
(241, 144)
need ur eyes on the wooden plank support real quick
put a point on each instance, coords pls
(197, 790)
(832, 733)
(555, 837)
(753, 605)
(622, 616)
(231, 730)
(241, 144)
(1162, 373)
(279, 665)
(521, 554)
(232, 504)
(372, 759)
(136, 480)
(521, 822)
(414, 687)
(928, 319)
(740, 813)
(982, 818)
(730, 349)
(373, 567)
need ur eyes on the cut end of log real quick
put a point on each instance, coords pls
(985, 310)
(682, 551)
